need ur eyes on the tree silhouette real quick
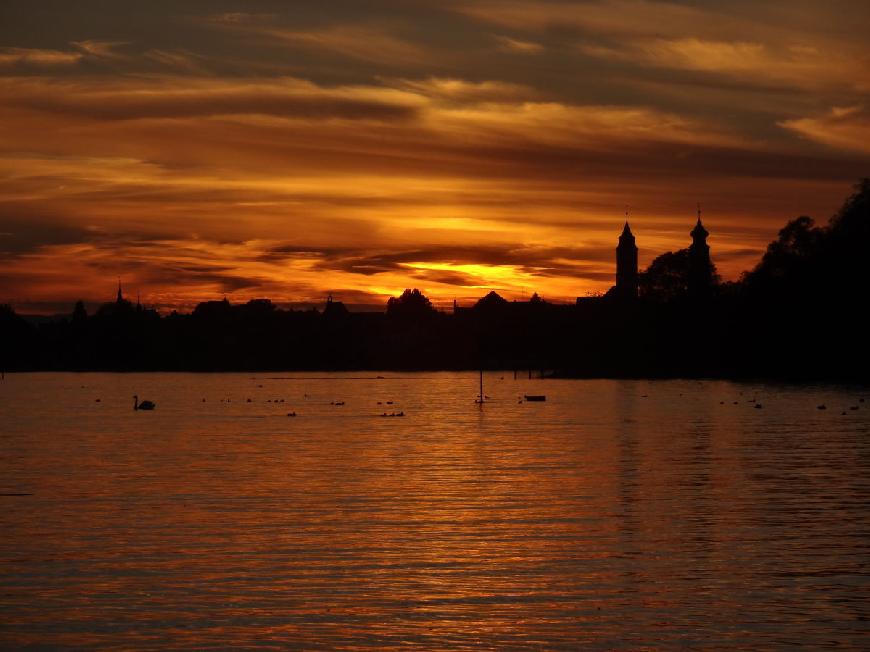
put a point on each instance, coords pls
(667, 277)
(827, 260)
(413, 305)
(788, 259)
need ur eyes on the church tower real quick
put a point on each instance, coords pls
(626, 264)
(700, 278)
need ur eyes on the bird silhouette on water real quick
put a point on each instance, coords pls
(144, 405)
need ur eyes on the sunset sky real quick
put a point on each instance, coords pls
(294, 149)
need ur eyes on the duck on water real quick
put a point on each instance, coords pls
(144, 405)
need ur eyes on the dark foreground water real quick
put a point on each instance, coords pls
(631, 514)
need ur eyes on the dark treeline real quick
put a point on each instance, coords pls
(800, 314)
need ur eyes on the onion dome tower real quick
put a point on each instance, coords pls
(700, 278)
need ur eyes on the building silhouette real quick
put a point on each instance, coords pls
(700, 272)
(120, 307)
(688, 271)
(626, 265)
(334, 309)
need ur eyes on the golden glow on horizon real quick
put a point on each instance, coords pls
(363, 157)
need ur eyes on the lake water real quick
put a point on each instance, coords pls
(639, 514)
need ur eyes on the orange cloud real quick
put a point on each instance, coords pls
(13, 56)
(179, 60)
(370, 43)
(367, 44)
(603, 16)
(846, 128)
(369, 170)
(791, 66)
(519, 45)
(101, 49)
(774, 44)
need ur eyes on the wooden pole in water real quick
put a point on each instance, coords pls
(481, 386)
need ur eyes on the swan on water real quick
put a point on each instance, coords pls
(144, 405)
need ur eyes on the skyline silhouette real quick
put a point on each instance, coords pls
(627, 283)
(797, 314)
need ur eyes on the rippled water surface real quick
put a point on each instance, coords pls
(616, 514)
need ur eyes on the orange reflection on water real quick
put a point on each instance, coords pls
(616, 513)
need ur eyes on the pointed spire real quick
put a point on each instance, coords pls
(626, 262)
(699, 232)
(626, 235)
(120, 294)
